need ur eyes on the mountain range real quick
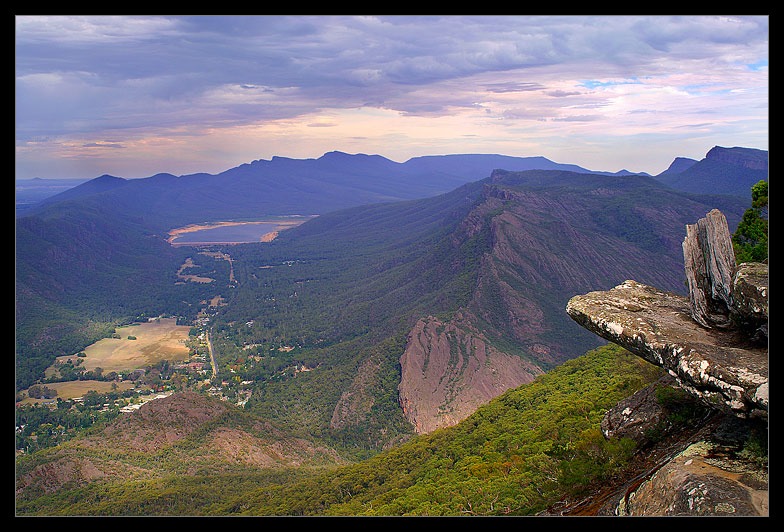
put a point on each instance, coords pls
(422, 291)
(285, 186)
(336, 180)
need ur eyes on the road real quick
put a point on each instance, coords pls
(212, 355)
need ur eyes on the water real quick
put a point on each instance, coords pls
(250, 232)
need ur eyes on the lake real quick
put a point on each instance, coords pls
(249, 232)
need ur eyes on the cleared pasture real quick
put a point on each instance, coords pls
(74, 389)
(157, 340)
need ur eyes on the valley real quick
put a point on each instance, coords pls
(373, 332)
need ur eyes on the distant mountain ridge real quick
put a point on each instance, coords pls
(94, 186)
(105, 236)
(730, 171)
(679, 164)
(745, 157)
(336, 180)
(405, 313)
(283, 185)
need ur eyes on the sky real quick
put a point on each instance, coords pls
(133, 96)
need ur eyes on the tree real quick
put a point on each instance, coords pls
(750, 240)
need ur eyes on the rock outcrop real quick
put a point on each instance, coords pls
(448, 371)
(703, 341)
(710, 477)
(714, 343)
(637, 415)
(710, 264)
(719, 366)
(749, 294)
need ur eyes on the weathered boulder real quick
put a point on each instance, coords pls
(749, 296)
(719, 366)
(722, 293)
(638, 414)
(713, 476)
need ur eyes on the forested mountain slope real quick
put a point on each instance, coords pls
(210, 450)
(370, 326)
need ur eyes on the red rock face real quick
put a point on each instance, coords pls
(449, 371)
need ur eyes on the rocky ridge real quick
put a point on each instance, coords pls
(745, 157)
(544, 236)
(713, 343)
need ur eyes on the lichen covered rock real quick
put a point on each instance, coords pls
(701, 481)
(750, 299)
(719, 366)
(638, 414)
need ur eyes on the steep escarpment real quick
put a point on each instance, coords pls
(744, 157)
(547, 235)
(723, 170)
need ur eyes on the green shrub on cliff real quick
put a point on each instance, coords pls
(750, 240)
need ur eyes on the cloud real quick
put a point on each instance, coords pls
(513, 87)
(577, 118)
(334, 60)
(89, 78)
(562, 93)
(105, 144)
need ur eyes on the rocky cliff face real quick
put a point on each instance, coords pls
(450, 369)
(714, 343)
